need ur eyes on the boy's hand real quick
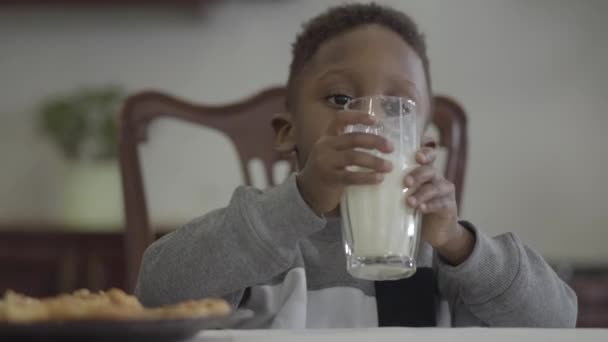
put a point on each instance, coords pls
(435, 197)
(322, 180)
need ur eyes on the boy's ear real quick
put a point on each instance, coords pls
(284, 141)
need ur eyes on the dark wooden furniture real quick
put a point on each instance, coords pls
(591, 287)
(247, 125)
(48, 260)
(105, 3)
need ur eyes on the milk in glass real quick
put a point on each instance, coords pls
(380, 231)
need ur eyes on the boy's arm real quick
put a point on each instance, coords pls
(230, 249)
(505, 283)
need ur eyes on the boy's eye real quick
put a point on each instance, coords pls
(339, 100)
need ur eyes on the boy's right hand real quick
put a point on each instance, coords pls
(322, 180)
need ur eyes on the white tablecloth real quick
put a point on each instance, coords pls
(407, 334)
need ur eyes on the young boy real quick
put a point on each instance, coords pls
(280, 252)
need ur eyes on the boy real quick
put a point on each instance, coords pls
(280, 252)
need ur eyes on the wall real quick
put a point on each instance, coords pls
(530, 73)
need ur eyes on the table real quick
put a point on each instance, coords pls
(406, 334)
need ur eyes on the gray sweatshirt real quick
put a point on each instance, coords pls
(291, 265)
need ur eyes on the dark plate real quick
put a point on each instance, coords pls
(128, 330)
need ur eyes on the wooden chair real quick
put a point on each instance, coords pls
(247, 124)
(451, 121)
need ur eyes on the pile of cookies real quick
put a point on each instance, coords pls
(113, 304)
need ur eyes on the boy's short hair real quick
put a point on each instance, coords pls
(339, 19)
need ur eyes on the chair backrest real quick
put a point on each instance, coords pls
(247, 125)
(451, 122)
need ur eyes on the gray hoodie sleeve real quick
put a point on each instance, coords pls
(222, 253)
(504, 283)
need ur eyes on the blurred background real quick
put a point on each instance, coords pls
(530, 74)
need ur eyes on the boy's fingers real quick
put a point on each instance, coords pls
(438, 204)
(419, 175)
(426, 155)
(429, 192)
(362, 140)
(359, 178)
(343, 119)
(366, 160)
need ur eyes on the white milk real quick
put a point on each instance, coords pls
(381, 223)
(380, 231)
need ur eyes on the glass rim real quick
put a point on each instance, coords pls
(405, 100)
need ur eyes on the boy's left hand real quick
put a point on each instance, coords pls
(435, 197)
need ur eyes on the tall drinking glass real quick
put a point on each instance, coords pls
(381, 234)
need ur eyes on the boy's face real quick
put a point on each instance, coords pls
(368, 60)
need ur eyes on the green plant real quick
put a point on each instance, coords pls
(83, 124)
